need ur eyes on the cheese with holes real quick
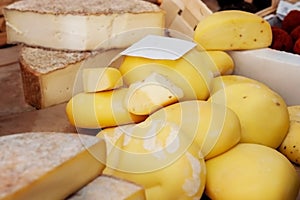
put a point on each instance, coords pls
(82, 25)
(149, 95)
(109, 187)
(52, 77)
(101, 79)
(48, 165)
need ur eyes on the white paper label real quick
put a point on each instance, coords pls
(159, 47)
(285, 7)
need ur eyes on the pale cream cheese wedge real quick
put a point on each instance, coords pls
(52, 77)
(108, 187)
(154, 92)
(82, 25)
(101, 79)
(48, 165)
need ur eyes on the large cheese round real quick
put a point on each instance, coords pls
(161, 160)
(215, 128)
(262, 112)
(251, 171)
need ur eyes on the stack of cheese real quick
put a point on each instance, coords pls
(60, 36)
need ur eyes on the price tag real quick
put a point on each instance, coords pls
(285, 7)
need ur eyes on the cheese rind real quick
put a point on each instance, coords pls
(109, 187)
(52, 77)
(42, 165)
(83, 26)
(101, 79)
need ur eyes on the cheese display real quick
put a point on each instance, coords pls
(52, 77)
(109, 187)
(151, 94)
(233, 30)
(101, 79)
(48, 165)
(82, 25)
(194, 64)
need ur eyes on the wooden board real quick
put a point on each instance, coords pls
(15, 114)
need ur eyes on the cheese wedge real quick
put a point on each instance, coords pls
(151, 94)
(82, 25)
(109, 187)
(48, 165)
(52, 77)
(233, 30)
(101, 79)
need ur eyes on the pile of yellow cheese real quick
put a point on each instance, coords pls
(188, 127)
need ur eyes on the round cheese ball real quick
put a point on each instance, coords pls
(162, 161)
(262, 112)
(214, 128)
(251, 171)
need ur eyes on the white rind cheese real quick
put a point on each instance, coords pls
(48, 165)
(82, 25)
(109, 187)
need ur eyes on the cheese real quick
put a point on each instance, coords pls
(154, 92)
(109, 187)
(82, 25)
(52, 77)
(101, 79)
(100, 110)
(233, 30)
(42, 165)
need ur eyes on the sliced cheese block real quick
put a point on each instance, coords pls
(101, 79)
(109, 187)
(152, 93)
(52, 77)
(48, 165)
(82, 25)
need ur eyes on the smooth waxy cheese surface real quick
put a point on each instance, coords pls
(251, 171)
(101, 79)
(233, 30)
(42, 165)
(82, 25)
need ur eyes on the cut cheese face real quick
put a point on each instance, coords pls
(79, 25)
(48, 165)
(52, 77)
(109, 187)
(154, 92)
(101, 79)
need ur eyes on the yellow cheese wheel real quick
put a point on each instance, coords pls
(215, 128)
(262, 112)
(251, 171)
(155, 158)
(100, 110)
